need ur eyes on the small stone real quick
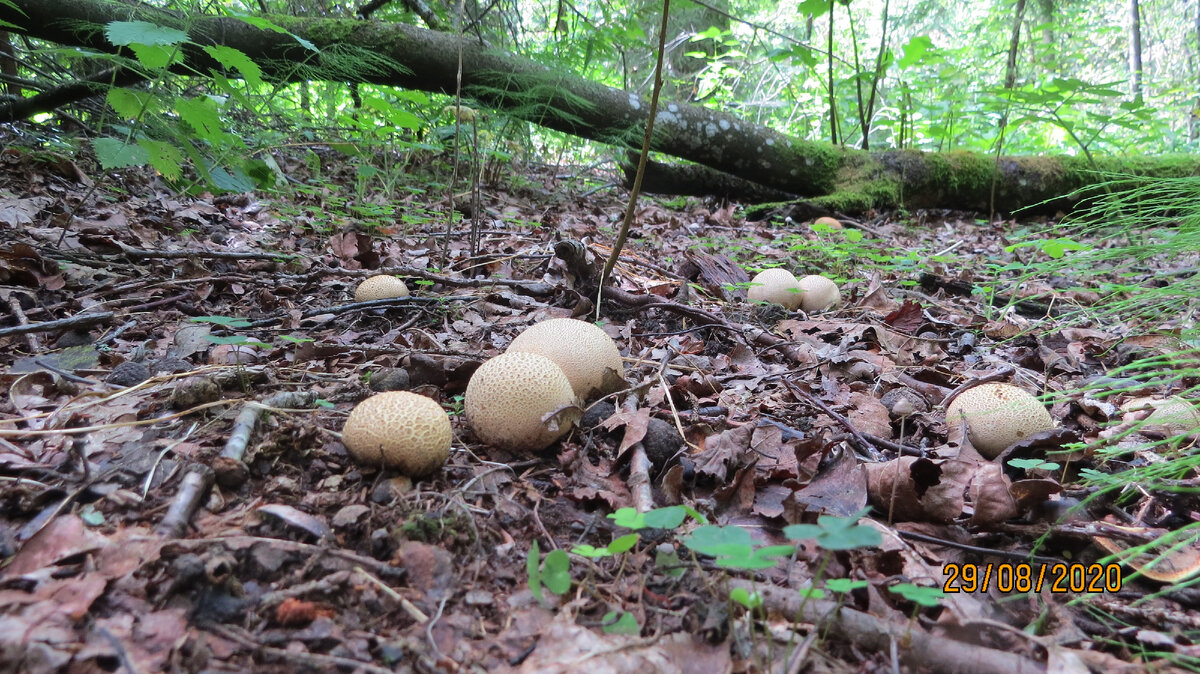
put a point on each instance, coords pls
(128, 374)
(596, 414)
(194, 391)
(389, 379)
(169, 365)
(661, 442)
(479, 598)
(349, 516)
(861, 371)
(72, 338)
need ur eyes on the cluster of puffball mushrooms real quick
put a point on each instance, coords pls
(521, 400)
(530, 396)
(811, 293)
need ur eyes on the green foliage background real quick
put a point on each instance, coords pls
(939, 78)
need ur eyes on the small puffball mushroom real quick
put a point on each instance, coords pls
(832, 223)
(586, 354)
(778, 286)
(380, 287)
(401, 430)
(997, 415)
(818, 293)
(510, 397)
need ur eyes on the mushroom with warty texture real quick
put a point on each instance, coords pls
(1175, 415)
(997, 415)
(379, 288)
(584, 352)
(401, 430)
(511, 398)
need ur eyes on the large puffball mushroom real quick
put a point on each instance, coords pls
(586, 354)
(778, 286)
(400, 430)
(510, 397)
(379, 288)
(997, 415)
(818, 293)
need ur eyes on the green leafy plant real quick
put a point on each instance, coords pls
(918, 594)
(733, 547)
(1033, 464)
(620, 623)
(553, 573)
(836, 533)
(746, 598)
(618, 546)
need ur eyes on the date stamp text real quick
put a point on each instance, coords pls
(1056, 578)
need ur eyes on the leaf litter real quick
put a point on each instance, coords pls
(292, 556)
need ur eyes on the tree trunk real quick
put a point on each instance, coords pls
(830, 177)
(1135, 49)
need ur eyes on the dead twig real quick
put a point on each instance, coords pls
(351, 307)
(71, 323)
(920, 649)
(410, 608)
(14, 305)
(315, 661)
(228, 467)
(639, 479)
(192, 491)
(139, 254)
(1002, 373)
(243, 426)
(382, 569)
(861, 441)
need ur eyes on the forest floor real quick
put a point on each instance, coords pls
(194, 311)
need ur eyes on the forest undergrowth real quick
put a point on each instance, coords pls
(174, 494)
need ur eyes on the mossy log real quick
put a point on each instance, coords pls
(828, 177)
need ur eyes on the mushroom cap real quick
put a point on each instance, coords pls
(997, 416)
(818, 293)
(586, 354)
(380, 287)
(903, 402)
(401, 430)
(832, 223)
(778, 286)
(510, 397)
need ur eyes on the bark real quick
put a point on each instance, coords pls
(696, 180)
(830, 177)
(1135, 49)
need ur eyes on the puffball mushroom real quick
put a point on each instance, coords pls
(997, 415)
(584, 352)
(380, 287)
(1176, 415)
(778, 286)
(832, 223)
(509, 398)
(818, 293)
(399, 429)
